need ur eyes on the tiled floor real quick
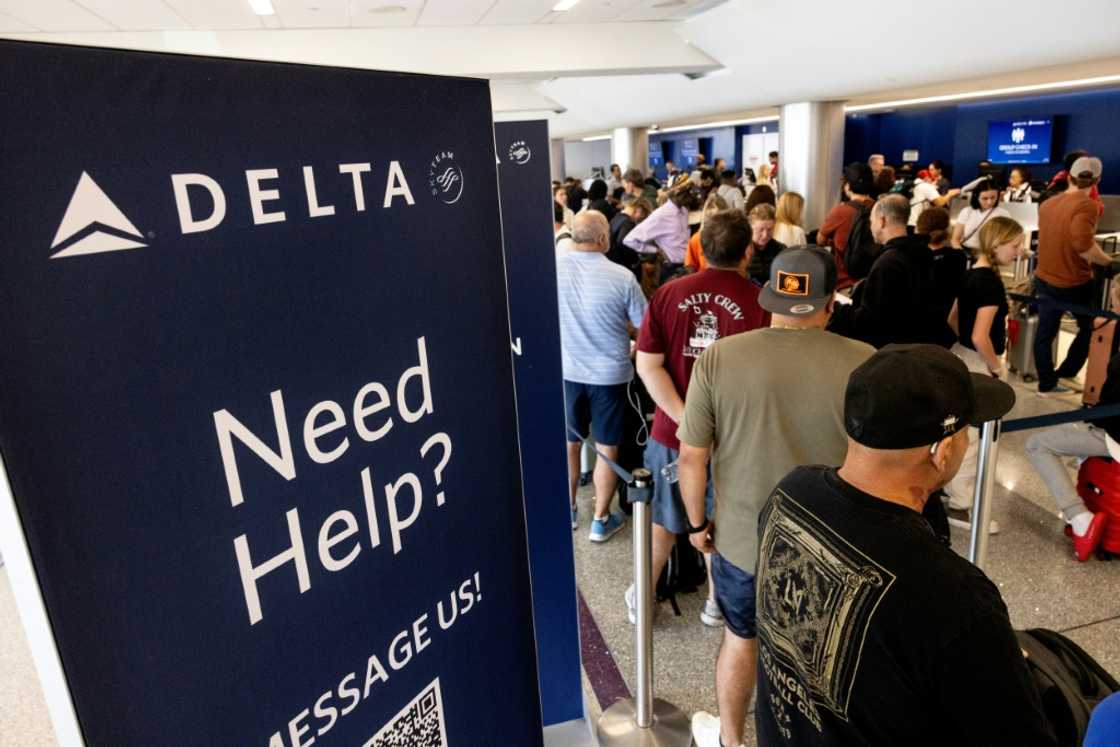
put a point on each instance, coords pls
(1030, 560)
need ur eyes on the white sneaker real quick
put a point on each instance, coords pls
(710, 615)
(705, 729)
(962, 519)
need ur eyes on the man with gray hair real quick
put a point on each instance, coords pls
(597, 298)
(897, 301)
(877, 161)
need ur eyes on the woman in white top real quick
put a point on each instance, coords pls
(983, 206)
(787, 221)
(1018, 186)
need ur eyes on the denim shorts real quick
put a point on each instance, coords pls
(735, 596)
(599, 408)
(666, 506)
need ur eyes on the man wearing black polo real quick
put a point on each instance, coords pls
(870, 631)
(898, 302)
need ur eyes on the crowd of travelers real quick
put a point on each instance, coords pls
(816, 392)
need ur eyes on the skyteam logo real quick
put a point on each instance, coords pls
(519, 153)
(445, 178)
(93, 224)
(1018, 135)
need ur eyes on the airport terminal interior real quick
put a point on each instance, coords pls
(764, 117)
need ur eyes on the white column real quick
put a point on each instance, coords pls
(811, 155)
(630, 148)
(556, 151)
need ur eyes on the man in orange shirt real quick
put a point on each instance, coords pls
(858, 186)
(1067, 248)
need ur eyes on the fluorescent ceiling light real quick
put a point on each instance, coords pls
(725, 123)
(563, 5)
(262, 7)
(1081, 82)
(596, 137)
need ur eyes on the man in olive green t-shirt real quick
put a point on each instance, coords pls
(760, 404)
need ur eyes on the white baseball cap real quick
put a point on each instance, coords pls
(1086, 164)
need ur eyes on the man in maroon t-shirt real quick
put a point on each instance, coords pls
(684, 318)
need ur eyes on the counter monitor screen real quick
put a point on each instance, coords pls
(1020, 141)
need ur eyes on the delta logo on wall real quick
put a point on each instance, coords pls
(93, 224)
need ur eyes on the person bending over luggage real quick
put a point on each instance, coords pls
(870, 631)
(1049, 447)
(897, 302)
(979, 317)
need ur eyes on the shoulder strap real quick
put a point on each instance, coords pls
(561, 236)
(980, 224)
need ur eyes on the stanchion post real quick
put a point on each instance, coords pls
(643, 720)
(982, 496)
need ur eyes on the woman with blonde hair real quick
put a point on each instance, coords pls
(787, 219)
(694, 258)
(979, 317)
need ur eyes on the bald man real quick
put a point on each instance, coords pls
(597, 299)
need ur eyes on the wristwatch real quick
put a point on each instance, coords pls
(697, 530)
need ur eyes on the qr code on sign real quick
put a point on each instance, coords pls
(418, 724)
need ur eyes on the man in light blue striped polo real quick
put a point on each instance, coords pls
(597, 298)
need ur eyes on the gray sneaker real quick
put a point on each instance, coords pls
(710, 615)
(1057, 391)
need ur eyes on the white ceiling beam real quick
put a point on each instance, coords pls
(538, 51)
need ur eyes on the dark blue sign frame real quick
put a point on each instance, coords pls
(524, 181)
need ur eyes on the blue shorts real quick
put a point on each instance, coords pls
(735, 596)
(666, 506)
(599, 407)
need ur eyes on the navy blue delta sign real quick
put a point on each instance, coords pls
(257, 408)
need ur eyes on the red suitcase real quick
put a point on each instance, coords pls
(1098, 484)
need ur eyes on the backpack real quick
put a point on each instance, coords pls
(684, 573)
(1070, 682)
(861, 251)
(903, 186)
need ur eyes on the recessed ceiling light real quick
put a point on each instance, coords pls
(388, 9)
(669, 4)
(262, 7)
(563, 5)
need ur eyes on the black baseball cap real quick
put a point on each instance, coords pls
(905, 396)
(802, 279)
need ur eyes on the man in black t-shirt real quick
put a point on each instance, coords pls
(870, 631)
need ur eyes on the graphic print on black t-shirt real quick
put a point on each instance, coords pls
(817, 596)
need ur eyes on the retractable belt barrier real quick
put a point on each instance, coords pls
(1075, 309)
(986, 465)
(622, 473)
(643, 720)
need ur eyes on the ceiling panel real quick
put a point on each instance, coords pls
(53, 15)
(379, 13)
(137, 15)
(519, 11)
(213, 15)
(10, 25)
(311, 14)
(595, 11)
(666, 10)
(454, 12)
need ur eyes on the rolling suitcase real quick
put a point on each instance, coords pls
(1098, 484)
(1021, 332)
(1101, 350)
(1104, 342)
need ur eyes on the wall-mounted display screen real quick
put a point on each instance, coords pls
(1020, 141)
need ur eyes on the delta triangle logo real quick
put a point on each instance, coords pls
(91, 208)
